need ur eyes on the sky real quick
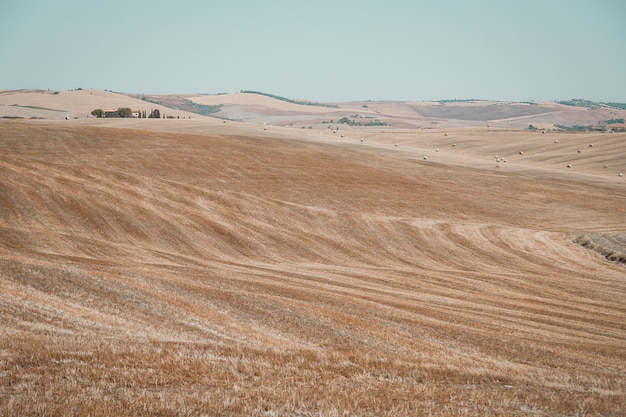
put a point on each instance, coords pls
(322, 50)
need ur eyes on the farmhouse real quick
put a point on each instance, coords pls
(617, 128)
(122, 112)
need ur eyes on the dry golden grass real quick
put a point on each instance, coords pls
(163, 273)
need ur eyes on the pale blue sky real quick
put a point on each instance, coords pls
(324, 50)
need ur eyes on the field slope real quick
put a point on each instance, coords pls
(222, 273)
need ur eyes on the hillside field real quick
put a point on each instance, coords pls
(204, 268)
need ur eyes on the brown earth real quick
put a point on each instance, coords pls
(208, 268)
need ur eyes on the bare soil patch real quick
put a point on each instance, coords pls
(611, 246)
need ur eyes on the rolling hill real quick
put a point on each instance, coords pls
(261, 108)
(211, 267)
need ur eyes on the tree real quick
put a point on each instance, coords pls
(98, 113)
(124, 112)
(155, 114)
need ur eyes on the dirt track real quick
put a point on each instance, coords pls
(146, 272)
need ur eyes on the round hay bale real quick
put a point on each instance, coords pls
(425, 158)
(569, 165)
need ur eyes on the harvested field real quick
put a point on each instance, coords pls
(226, 273)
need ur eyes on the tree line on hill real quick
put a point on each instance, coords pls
(127, 112)
(580, 102)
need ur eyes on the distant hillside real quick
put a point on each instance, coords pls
(265, 108)
(52, 104)
(179, 102)
(304, 103)
(255, 107)
(578, 102)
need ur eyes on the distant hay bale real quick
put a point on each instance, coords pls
(395, 144)
(591, 145)
(569, 165)
(621, 174)
(454, 145)
(578, 151)
(605, 166)
(521, 152)
(556, 141)
(361, 140)
(437, 150)
(425, 158)
(445, 134)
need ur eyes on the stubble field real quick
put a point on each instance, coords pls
(232, 273)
